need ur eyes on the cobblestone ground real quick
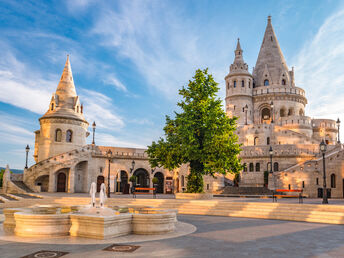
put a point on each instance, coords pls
(217, 237)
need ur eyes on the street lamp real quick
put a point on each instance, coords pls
(94, 130)
(271, 152)
(132, 166)
(323, 150)
(109, 156)
(246, 108)
(272, 111)
(27, 149)
(338, 124)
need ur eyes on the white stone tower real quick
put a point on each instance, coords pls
(239, 84)
(63, 127)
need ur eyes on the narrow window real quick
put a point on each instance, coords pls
(249, 84)
(52, 106)
(100, 170)
(245, 167)
(266, 82)
(242, 83)
(77, 109)
(251, 167)
(182, 181)
(268, 141)
(257, 167)
(234, 107)
(317, 181)
(58, 135)
(289, 186)
(234, 84)
(69, 136)
(283, 82)
(333, 181)
(255, 141)
(303, 184)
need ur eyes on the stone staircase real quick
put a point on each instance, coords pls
(22, 186)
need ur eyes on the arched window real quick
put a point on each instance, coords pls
(182, 183)
(234, 84)
(268, 166)
(291, 112)
(242, 83)
(257, 167)
(283, 81)
(276, 166)
(268, 141)
(245, 167)
(301, 112)
(282, 112)
(58, 135)
(265, 114)
(266, 82)
(251, 167)
(69, 136)
(333, 181)
(249, 84)
(255, 141)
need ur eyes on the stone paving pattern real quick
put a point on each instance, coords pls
(218, 237)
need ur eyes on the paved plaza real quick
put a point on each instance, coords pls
(215, 237)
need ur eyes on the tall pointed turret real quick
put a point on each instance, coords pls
(271, 66)
(63, 126)
(239, 64)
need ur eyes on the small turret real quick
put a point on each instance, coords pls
(239, 84)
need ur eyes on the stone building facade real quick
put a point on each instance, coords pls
(65, 163)
(271, 112)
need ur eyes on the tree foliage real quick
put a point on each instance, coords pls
(201, 135)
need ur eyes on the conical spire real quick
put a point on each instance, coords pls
(66, 85)
(270, 56)
(239, 64)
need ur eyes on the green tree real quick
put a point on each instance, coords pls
(200, 135)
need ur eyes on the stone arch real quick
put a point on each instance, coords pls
(265, 114)
(69, 136)
(282, 112)
(58, 135)
(266, 82)
(124, 182)
(142, 179)
(291, 111)
(80, 177)
(160, 185)
(43, 182)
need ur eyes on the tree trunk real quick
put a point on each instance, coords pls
(195, 178)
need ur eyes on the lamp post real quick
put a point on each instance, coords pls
(94, 130)
(109, 156)
(338, 124)
(272, 111)
(245, 109)
(323, 150)
(27, 149)
(271, 152)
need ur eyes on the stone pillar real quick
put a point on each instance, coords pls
(52, 182)
(71, 181)
(272, 181)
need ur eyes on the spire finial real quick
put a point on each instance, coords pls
(269, 19)
(238, 47)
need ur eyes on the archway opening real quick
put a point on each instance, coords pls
(124, 186)
(43, 182)
(80, 177)
(142, 177)
(61, 182)
(160, 185)
(266, 115)
(100, 180)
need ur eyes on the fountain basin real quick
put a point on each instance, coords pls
(154, 222)
(9, 222)
(29, 224)
(100, 227)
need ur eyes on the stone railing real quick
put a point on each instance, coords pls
(288, 90)
(280, 150)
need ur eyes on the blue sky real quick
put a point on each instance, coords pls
(129, 58)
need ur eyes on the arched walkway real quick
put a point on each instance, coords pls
(100, 180)
(160, 185)
(124, 186)
(43, 181)
(81, 177)
(142, 177)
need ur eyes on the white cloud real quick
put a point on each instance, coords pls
(110, 140)
(319, 68)
(99, 108)
(112, 80)
(165, 47)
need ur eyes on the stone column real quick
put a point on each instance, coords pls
(71, 181)
(52, 181)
